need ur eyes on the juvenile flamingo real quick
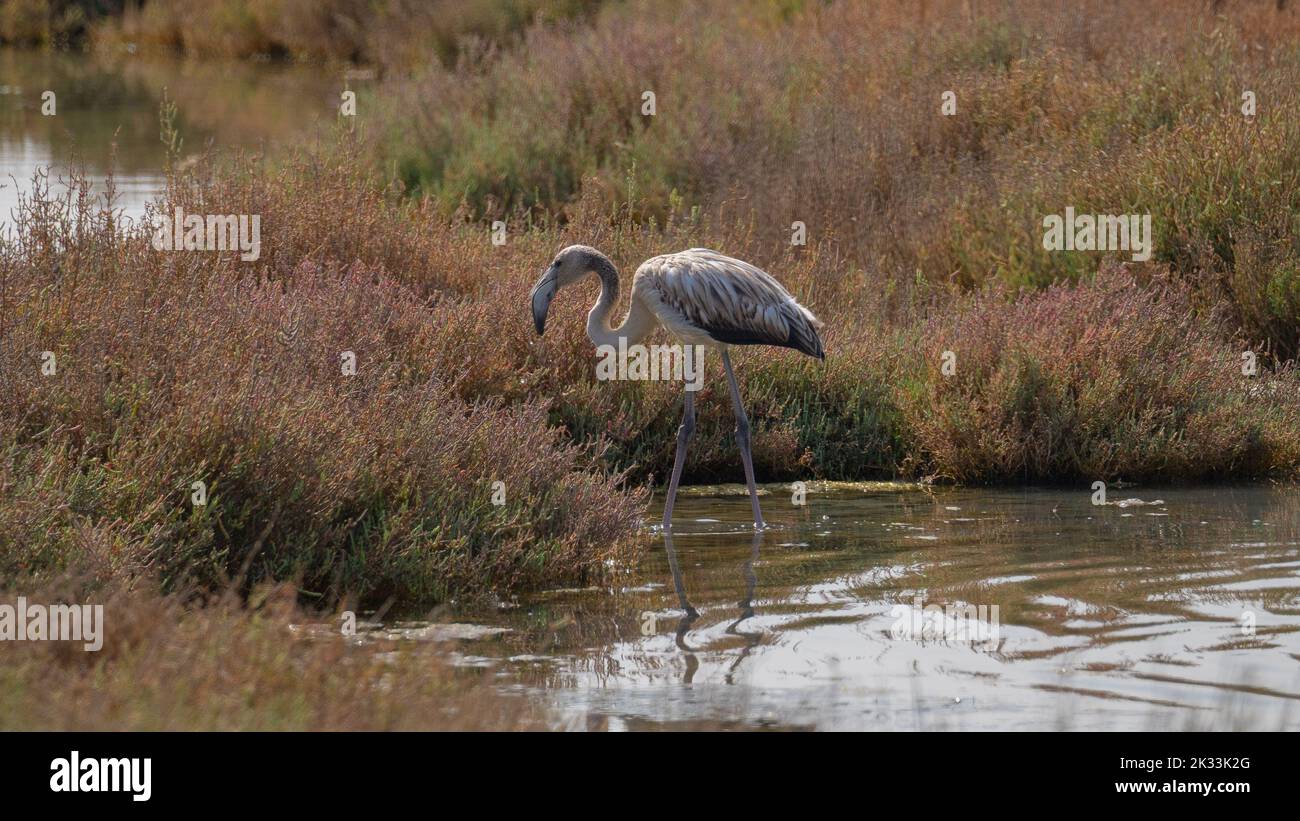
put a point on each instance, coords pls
(700, 297)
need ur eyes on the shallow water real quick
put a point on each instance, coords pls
(1123, 616)
(106, 116)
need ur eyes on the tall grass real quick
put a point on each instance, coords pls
(830, 114)
(174, 369)
(1106, 379)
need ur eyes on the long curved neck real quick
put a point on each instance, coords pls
(635, 326)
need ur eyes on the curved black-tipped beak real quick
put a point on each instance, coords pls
(542, 294)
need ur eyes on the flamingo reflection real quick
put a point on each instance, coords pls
(690, 614)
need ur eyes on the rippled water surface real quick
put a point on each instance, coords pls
(1167, 608)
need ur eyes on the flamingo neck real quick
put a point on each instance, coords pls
(599, 328)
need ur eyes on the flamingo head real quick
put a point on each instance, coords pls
(568, 267)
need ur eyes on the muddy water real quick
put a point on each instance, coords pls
(1178, 613)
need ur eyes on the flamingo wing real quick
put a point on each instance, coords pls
(703, 293)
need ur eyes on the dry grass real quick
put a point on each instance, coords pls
(176, 368)
(226, 665)
(829, 114)
(1109, 378)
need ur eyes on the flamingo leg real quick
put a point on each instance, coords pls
(742, 438)
(684, 434)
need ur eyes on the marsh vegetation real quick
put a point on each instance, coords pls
(924, 236)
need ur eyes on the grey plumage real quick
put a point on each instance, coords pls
(729, 300)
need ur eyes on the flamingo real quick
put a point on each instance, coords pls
(700, 297)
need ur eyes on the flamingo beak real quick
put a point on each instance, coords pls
(542, 294)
